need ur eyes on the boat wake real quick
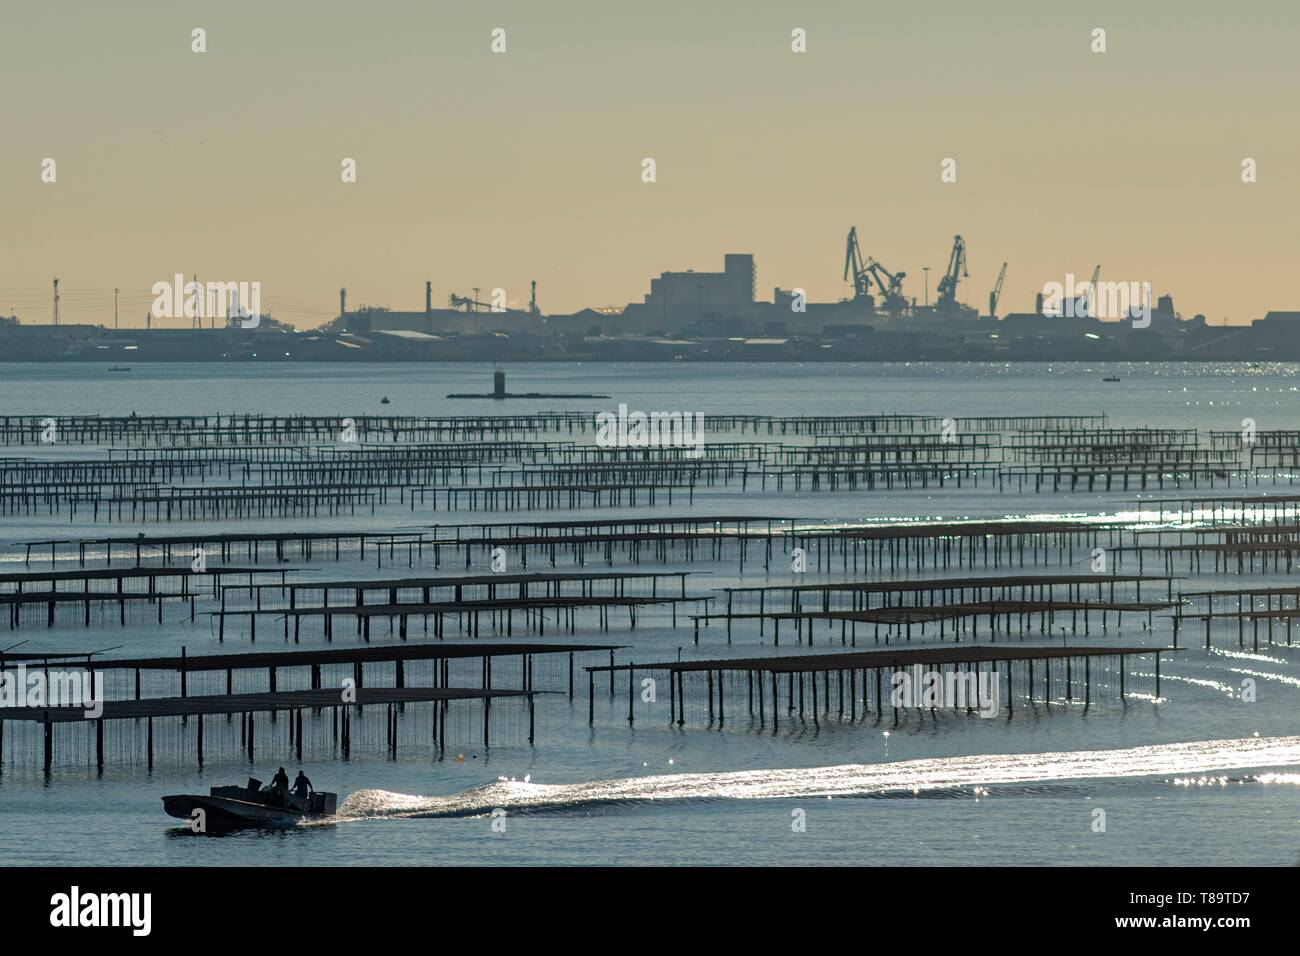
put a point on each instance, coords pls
(946, 776)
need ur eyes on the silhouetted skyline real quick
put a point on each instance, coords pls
(482, 169)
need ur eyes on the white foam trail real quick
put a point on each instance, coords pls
(847, 780)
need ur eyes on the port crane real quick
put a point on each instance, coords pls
(854, 265)
(865, 272)
(1090, 296)
(891, 286)
(997, 292)
(947, 300)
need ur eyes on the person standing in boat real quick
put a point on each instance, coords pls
(280, 785)
(302, 787)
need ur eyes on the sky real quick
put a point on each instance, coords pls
(483, 169)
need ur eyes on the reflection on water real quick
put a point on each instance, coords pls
(849, 780)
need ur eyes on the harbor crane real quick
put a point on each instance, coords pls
(947, 300)
(854, 265)
(891, 286)
(866, 271)
(1081, 304)
(997, 292)
(1090, 297)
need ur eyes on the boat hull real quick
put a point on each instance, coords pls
(224, 812)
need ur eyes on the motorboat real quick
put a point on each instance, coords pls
(252, 805)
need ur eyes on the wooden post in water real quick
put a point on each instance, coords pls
(776, 702)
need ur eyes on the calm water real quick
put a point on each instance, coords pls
(1199, 778)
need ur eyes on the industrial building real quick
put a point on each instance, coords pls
(682, 293)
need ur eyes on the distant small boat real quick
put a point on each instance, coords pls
(1111, 378)
(384, 400)
(119, 368)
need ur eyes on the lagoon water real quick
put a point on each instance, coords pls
(1198, 778)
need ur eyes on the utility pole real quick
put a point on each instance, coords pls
(56, 301)
(114, 308)
(926, 269)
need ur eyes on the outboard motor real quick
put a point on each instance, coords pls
(324, 803)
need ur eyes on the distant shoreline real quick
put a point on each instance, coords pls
(684, 360)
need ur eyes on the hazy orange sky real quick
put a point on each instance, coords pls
(483, 169)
